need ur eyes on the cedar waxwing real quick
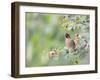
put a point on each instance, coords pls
(70, 44)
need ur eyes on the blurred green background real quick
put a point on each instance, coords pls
(45, 32)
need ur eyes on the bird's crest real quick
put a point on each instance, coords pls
(67, 35)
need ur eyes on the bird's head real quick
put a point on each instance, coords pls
(67, 35)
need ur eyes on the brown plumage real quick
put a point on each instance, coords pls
(70, 44)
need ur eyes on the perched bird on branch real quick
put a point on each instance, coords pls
(70, 44)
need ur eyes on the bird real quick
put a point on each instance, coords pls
(70, 44)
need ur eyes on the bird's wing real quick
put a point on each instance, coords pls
(72, 44)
